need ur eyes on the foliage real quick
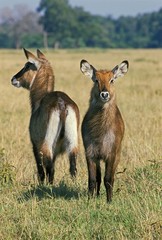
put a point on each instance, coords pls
(72, 27)
(16, 25)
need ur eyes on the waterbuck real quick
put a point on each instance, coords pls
(102, 127)
(54, 116)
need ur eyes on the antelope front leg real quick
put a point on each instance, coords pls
(91, 176)
(109, 180)
(98, 177)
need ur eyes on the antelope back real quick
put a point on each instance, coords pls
(103, 89)
(26, 76)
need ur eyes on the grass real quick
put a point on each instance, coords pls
(62, 211)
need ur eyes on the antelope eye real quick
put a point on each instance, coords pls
(96, 81)
(30, 65)
(112, 81)
(27, 65)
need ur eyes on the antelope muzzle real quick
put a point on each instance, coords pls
(104, 96)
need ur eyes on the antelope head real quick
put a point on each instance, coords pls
(103, 89)
(26, 76)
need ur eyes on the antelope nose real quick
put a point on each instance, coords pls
(12, 80)
(15, 82)
(104, 95)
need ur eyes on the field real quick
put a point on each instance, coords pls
(62, 211)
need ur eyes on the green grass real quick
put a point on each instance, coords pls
(63, 211)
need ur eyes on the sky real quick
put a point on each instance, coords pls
(114, 8)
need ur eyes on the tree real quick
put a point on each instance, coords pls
(71, 27)
(57, 19)
(17, 24)
(57, 24)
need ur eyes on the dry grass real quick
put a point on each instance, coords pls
(139, 96)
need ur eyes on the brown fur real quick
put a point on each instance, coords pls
(47, 105)
(102, 127)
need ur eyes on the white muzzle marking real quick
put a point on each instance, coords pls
(15, 83)
(105, 96)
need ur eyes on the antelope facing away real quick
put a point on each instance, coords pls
(54, 116)
(102, 127)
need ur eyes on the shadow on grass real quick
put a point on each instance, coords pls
(49, 192)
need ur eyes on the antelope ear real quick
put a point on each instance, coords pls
(31, 58)
(87, 69)
(121, 69)
(40, 54)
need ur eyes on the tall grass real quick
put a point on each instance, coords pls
(63, 211)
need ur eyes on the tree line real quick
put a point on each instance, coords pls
(56, 24)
